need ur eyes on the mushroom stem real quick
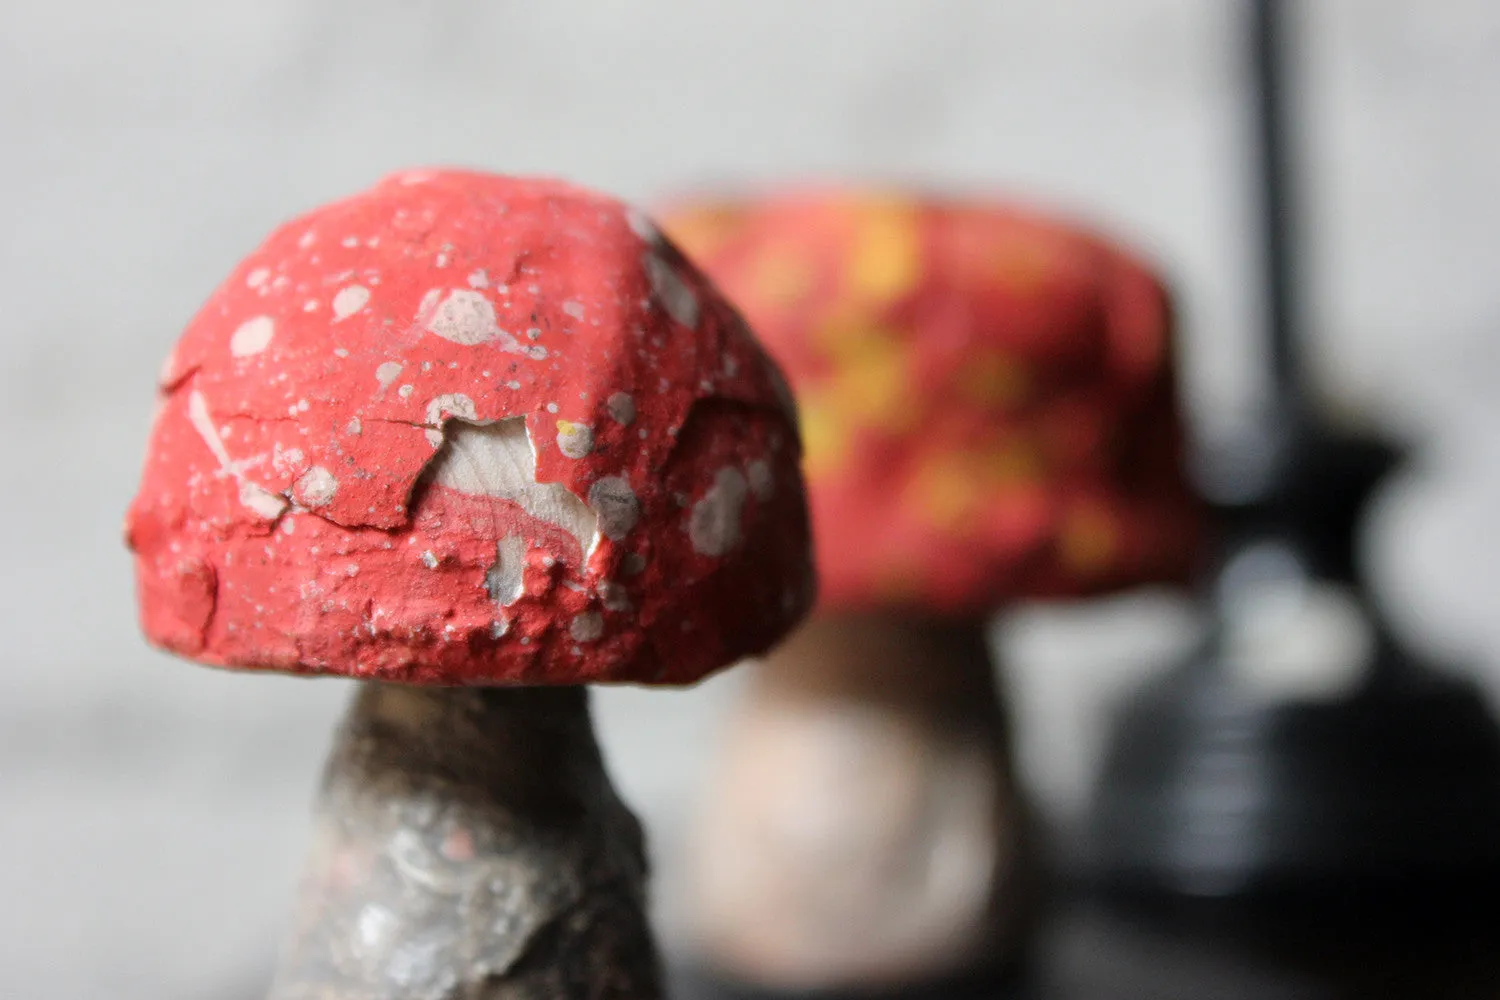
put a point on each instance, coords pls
(864, 829)
(468, 843)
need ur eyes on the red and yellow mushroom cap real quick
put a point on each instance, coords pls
(987, 395)
(471, 429)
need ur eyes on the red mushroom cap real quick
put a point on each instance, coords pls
(987, 394)
(471, 429)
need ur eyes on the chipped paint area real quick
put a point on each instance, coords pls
(498, 460)
(464, 465)
(506, 579)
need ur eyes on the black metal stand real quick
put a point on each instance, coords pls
(1382, 805)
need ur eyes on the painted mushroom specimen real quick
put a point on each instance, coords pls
(475, 441)
(989, 411)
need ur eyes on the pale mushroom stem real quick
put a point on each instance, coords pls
(468, 844)
(865, 827)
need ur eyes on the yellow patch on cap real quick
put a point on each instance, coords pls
(701, 231)
(1013, 462)
(870, 382)
(993, 379)
(948, 490)
(778, 278)
(1088, 539)
(886, 260)
(825, 437)
(1024, 264)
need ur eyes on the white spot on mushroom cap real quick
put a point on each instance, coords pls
(498, 460)
(257, 277)
(284, 460)
(616, 505)
(573, 309)
(621, 406)
(574, 440)
(762, 484)
(676, 297)
(349, 300)
(406, 390)
(640, 223)
(252, 336)
(316, 487)
(614, 596)
(388, 372)
(465, 316)
(587, 626)
(203, 423)
(714, 524)
(479, 278)
(259, 499)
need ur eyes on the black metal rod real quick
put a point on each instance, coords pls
(1271, 56)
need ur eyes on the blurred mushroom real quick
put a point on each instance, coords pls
(476, 442)
(989, 410)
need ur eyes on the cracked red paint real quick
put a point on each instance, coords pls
(284, 520)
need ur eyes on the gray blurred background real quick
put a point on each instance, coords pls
(151, 813)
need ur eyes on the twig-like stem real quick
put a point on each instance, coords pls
(469, 846)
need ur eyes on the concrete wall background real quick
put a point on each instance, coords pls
(151, 814)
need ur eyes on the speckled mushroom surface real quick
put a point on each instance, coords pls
(471, 429)
(987, 393)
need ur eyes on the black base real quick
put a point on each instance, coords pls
(1377, 807)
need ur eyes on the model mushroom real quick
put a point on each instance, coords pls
(989, 412)
(474, 441)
